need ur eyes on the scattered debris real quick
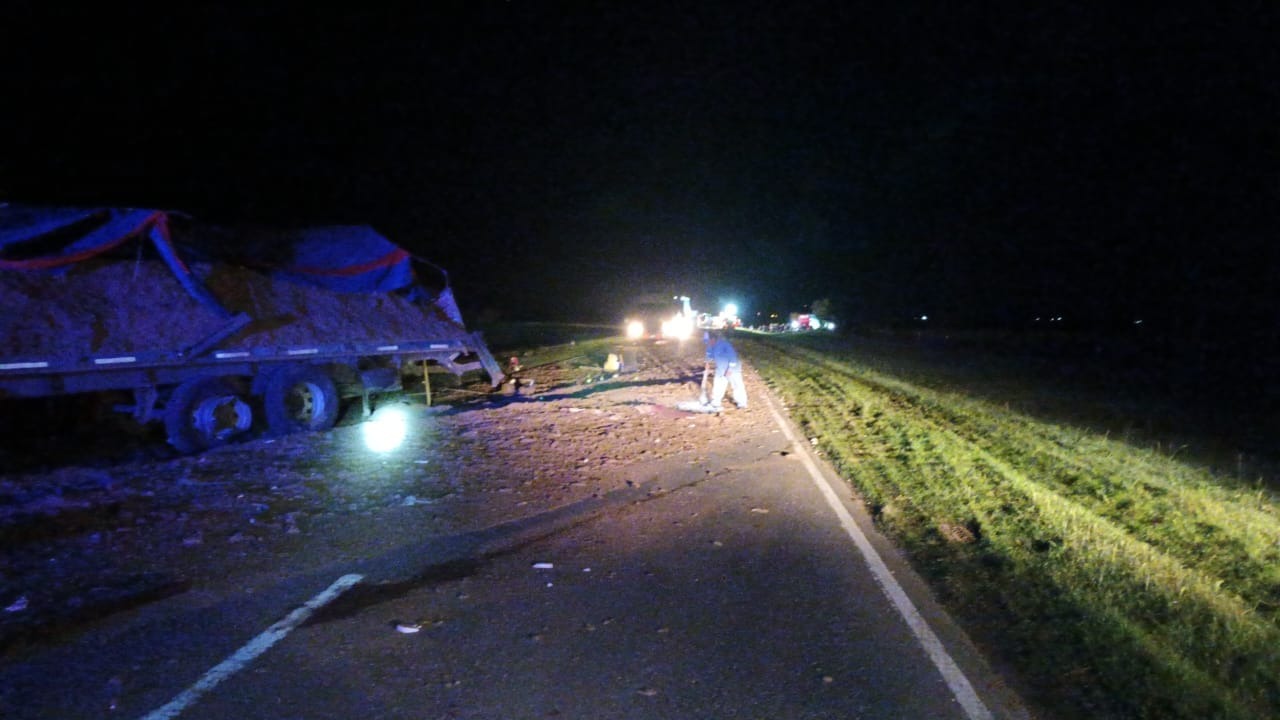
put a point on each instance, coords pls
(198, 520)
(695, 406)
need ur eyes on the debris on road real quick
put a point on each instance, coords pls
(201, 521)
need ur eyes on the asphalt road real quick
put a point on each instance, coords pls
(724, 584)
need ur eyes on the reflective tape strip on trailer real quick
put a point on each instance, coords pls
(120, 360)
(31, 365)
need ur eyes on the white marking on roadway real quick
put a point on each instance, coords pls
(253, 649)
(114, 360)
(960, 686)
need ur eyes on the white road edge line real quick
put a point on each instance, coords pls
(960, 686)
(253, 649)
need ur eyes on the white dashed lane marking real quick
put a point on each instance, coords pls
(253, 649)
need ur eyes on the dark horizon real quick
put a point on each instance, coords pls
(1105, 166)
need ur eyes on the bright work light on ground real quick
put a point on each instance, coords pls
(386, 430)
(730, 310)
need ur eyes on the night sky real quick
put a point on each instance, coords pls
(980, 167)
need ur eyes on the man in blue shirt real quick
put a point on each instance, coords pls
(728, 370)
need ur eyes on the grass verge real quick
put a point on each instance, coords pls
(1119, 581)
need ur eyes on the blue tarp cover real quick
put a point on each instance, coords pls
(346, 259)
(340, 258)
(81, 234)
(64, 236)
(21, 224)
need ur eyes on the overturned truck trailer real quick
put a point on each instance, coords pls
(217, 332)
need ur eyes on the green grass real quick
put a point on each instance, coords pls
(1120, 581)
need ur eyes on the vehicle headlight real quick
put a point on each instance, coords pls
(678, 328)
(635, 330)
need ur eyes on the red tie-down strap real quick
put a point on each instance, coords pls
(394, 257)
(57, 261)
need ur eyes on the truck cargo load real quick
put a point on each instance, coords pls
(217, 318)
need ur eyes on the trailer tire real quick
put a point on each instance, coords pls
(204, 413)
(300, 398)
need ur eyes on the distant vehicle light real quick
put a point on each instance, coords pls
(730, 310)
(386, 430)
(635, 330)
(679, 327)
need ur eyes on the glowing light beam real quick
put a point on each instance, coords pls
(386, 430)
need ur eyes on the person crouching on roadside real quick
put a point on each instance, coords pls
(728, 370)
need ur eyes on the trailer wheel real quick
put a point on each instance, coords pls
(300, 398)
(205, 413)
